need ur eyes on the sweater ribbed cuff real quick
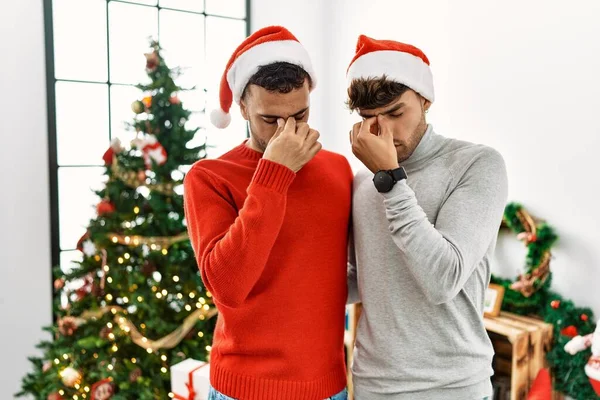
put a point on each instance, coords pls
(273, 176)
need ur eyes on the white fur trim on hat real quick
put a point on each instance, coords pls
(400, 67)
(249, 62)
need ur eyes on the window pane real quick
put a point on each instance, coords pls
(229, 8)
(130, 27)
(223, 140)
(182, 40)
(80, 39)
(77, 201)
(121, 98)
(223, 36)
(189, 5)
(81, 123)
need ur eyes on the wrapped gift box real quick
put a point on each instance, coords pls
(190, 380)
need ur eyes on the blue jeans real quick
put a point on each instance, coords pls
(214, 395)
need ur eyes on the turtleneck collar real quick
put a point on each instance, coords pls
(427, 147)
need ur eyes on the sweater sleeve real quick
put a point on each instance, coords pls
(443, 257)
(232, 247)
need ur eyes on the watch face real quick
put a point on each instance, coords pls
(383, 182)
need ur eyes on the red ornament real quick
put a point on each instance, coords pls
(174, 100)
(105, 207)
(59, 283)
(584, 317)
(152, 61)
(54, 396)
(108, 156)
(67, 326)
(115, 148)
(141, 176)
(555, 304)
(570, 331)
(103, 390)
(81, 292)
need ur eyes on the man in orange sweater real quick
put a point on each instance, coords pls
(269, 225)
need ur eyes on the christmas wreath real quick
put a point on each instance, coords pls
(530, 294)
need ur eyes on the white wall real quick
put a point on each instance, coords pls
(519, 76)
(25, 298)
(309, 22)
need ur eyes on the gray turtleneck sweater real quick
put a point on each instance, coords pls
(421, 267)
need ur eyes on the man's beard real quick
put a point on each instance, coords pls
(257, 143)
(405, 151)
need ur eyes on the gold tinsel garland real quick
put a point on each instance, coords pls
(155, 242)
(134, 180)
(166, 342)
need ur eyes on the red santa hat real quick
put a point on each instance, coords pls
(266, 46)
(399, 62)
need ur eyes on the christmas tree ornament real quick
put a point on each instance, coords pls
(153, 152)
(70, 377)
(147, 101)
(584, 317)
(555, 304)
(135, 374)
(55, 396)
(59, 283)
(174, 100)
(105, 207)
(68, 325)
(569, 331)
(152, 61)
(47, 365)
(114, 149)
(89, 248)
(138, 107)
(102, 390)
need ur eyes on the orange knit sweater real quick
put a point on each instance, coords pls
(271, 246)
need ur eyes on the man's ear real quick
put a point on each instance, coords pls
(244, 109)
(426, 104)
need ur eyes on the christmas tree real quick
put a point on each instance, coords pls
(135, 304)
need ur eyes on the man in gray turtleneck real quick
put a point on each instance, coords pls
(426, 215)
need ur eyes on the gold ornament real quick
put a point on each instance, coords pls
(70, 377)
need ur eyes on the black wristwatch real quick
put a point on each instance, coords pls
(385, 180)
